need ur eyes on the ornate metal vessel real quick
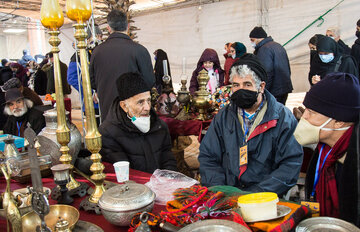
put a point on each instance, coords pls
(120, 203)
(48, 140)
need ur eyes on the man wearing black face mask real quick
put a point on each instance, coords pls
(355, 49)
(250, 142)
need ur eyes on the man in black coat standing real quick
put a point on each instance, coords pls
(132, 131)
(117, 55)
(355, 49)
(274, 58)
(334, 33)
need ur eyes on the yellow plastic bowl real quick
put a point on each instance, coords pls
(257, 198)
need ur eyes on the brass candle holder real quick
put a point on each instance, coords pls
(184, 99)
(80, 11)
(201, 100)
(53, 18)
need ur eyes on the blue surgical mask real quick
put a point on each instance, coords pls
(327, 58)
(253, 44)
(233, 56)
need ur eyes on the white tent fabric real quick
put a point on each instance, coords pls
(187, 32)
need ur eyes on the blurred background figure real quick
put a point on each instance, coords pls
(160, 56)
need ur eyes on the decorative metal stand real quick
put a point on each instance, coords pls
(201, 100)
(53, 20)
(80, 11)
(184, 99)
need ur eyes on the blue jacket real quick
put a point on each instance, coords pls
(72, 78)
(276, 62)
(274, 156)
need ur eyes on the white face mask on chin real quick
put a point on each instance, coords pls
(142, 123)
(306, 133)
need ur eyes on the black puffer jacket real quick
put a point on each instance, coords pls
(123, 141)
(274, 58)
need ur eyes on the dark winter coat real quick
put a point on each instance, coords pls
(347, 180)
(274, 156)
(40, 82)
(33, 116)
(5, 74)
(117, 55)
(123, 141)
(207, 55)
(347, 62)
(227, 65)
(344, 49)
(274, 58)
(50, 87)
(355, 52)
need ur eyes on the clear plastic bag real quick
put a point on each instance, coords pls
(164, 182)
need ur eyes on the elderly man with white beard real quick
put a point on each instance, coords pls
(21, 112)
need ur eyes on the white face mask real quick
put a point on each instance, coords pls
(253, 44)
(233, 56)
(306, 133)
(142, 123)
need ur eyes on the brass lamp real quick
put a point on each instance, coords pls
(80, 11)
(52, 18)
(201, 100)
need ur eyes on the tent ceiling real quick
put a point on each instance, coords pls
(31, 8)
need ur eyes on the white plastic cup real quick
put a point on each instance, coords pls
(122, 171)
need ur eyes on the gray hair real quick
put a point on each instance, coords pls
(242, 71)
(335, 30)
(28, 104)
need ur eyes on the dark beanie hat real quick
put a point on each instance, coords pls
(258, 33)
(253, 63)
(13, 95)
(358, 23)
(4, 61)
(337, 96)
(130, 84)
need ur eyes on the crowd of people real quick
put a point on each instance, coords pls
(254, 143)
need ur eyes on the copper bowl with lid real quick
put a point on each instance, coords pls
(120, 203)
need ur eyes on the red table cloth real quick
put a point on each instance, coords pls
(185, 128)
(137, 176)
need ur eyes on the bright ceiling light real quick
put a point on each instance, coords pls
(14, 30)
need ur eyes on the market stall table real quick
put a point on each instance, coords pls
(137, 176)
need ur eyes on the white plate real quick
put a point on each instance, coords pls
(282, 211)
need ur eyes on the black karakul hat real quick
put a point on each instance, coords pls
(130, 84)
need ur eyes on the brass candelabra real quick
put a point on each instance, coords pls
(53, 18)
(92, 137)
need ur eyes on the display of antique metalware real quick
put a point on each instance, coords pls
(201, 100)
(80, 11)
(52, 18)
(68, 213)
(12, 212)
(48, 140)
(120, 203)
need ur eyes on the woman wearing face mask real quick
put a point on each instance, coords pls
(237, 49)
(209, 60)
(330, 60)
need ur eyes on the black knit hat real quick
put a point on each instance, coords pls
(253, 63)
(258, 33)
(337, 96)
(12, 83)
(130, 84)
(13, 95)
